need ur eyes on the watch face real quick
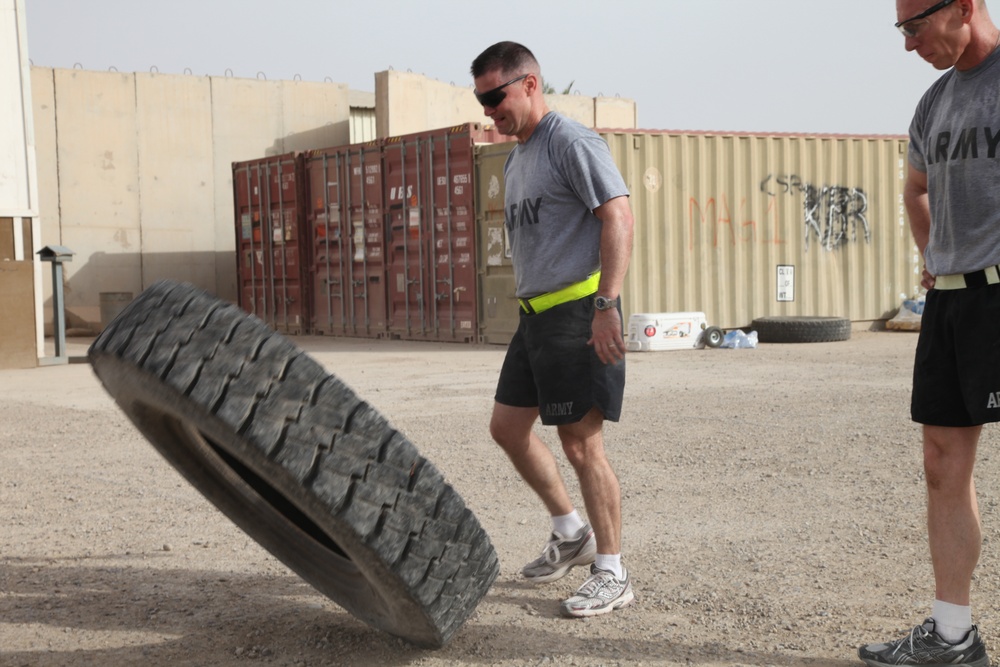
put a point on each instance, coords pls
(603, 303)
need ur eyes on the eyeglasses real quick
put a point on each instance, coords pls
(909, 30)
(493, 98)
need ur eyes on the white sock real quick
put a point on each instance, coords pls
(951, 621)
(610, 563)
(567, 525)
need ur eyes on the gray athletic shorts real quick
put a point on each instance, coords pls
(549, 366)
(956, 374)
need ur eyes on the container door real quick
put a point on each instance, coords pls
(269, 214)
(454, 312)
(327, 224)
(498, 310)
(408, 286)
(430, 216)
(366, 240)
(349, 241)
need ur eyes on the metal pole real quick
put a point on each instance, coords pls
(435, 320)
(59, 313)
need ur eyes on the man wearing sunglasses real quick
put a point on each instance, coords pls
(570, 229)
(952, 196)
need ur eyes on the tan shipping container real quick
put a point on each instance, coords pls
(738, 227)
(745, 226)
(498, 309)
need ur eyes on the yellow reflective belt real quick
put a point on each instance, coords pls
(542, 302)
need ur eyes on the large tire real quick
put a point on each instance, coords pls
(799, 329)
(298, 461)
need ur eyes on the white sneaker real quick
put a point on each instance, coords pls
(561, 554)
(601, 593)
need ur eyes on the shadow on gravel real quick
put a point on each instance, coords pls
(130, 609)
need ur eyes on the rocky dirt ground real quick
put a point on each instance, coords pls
(773, 515)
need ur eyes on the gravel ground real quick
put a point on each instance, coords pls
(773, 515)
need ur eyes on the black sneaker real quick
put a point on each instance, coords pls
(924, 646)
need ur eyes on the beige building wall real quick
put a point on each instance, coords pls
(17, 142)
(97, 205)
(614, 113)
(406, 102)
(20, 270)
(175, 183)
(135, 172)
(44, 111)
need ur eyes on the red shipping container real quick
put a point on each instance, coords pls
(269, 205)
(430, 218)
(348, 240)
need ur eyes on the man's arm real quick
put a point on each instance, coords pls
(919, 211)
(617, 230)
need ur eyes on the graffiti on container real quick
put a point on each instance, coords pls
(741, 228)
(831, 214)
(495, 246)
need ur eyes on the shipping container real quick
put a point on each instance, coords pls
(345, 219)
(498, 307)
(405, 238)
(739, 227)
(429, 181)
(271, 244)
(746, 226)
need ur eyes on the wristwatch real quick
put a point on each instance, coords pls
(604, 303)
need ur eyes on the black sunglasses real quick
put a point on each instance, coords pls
(908, 31)
(493, 98)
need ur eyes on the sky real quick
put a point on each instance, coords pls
(760, 66)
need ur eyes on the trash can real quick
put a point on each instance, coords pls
(113, 303)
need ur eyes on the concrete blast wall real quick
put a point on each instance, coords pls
(407, 102)
(135, 171)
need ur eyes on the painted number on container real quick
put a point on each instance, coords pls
(460, 181)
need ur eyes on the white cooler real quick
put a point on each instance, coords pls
(649, 332)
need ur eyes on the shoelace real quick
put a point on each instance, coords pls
(551, 552)
(918, 631)
(595, 583)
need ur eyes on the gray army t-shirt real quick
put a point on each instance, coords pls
(955, 139)
(553, 182)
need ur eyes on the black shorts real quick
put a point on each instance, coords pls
(956, 374)
(549, 366)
